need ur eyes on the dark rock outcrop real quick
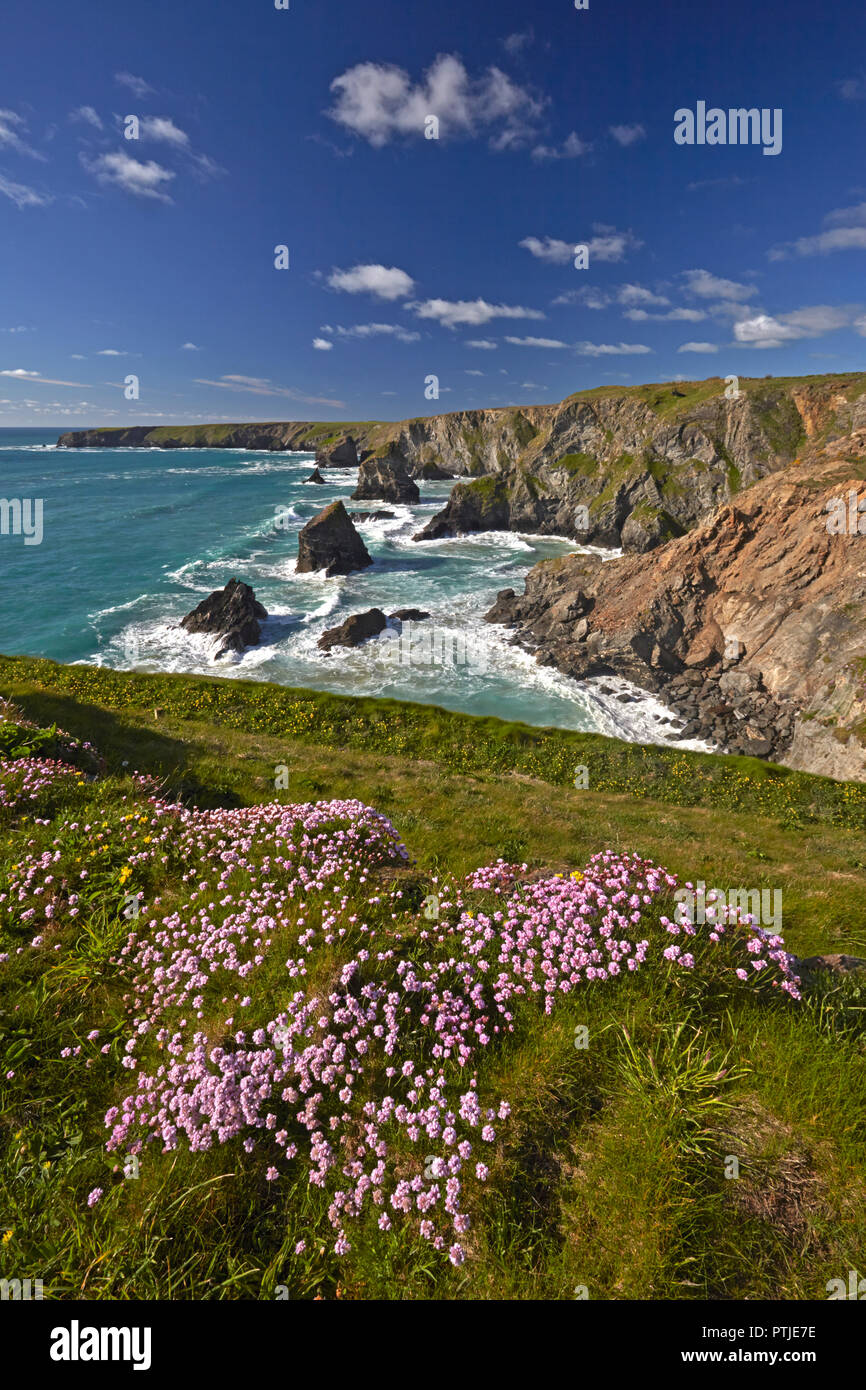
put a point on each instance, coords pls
(231, 614)
(836, 967)
(315, 477)
(356, 629)
(342, 455)
(373, 516)
(330, 542)
(385, 478)
(410, 615)
(431, 472)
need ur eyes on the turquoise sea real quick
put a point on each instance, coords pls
(135, 538)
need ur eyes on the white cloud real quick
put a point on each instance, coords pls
(379, 102)
(450, 313)
(610, 349)
(772, 331)
(638, 294)
(86, 115)
(12, 127)
(136, 85)
(839, 238)
(37, 379)
(514, 43)
(322, 344)
(122, 171)
(626, 135)
(164, 129)
(22, 195)
(587, 295)
(190, 347)
(708, 286)
(607, 245)
(572, 147)
(673, 315)
(853, 88)
(473, 371)
(387, 282)
(483, 344)
(698, 347)
(111, 352)
(262, 386)
(536, 342)
(376, 330)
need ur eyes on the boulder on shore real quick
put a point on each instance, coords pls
(385, 477)
(354, 630)
(330, 542)
(231, 614)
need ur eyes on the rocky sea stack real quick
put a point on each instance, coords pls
(330, 542)
(385, 478)
(343, 455)
(231, 614)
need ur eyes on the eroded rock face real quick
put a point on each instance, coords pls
(751, 626)
(232, 614)
(342, 455)
(330, 542)
(630, 467)
(356, 629)
(385, 479)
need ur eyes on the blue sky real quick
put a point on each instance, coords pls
(412, 257)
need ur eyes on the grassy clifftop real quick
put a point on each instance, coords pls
(665, 399)
(602, 1165)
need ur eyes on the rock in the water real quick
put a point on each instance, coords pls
(343, 455)
(231, 614)
(372, 516)
(330, 542)
(431, 472)
(354, 630)
(315, 477)
(410, 615)
(385, 477)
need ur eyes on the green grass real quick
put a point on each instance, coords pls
(611, 1174)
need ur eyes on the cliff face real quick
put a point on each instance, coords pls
(751, 626)
(632, 467)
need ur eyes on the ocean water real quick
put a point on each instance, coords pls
(135, 538)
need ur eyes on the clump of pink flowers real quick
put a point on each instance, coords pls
(369, 1079)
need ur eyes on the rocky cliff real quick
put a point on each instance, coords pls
(751, 626)
(634, 467)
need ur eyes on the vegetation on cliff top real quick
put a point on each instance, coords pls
(603, 1167)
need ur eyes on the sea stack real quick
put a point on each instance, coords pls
(232, 614)
(384, 478)
(330, 542)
